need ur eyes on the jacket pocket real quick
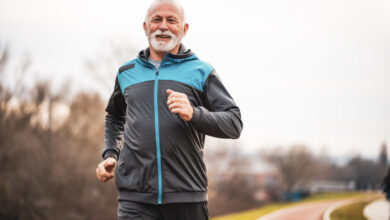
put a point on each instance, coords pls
(127, 174)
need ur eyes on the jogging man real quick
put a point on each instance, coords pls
(164, 103)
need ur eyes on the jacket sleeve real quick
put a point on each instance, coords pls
(220, 116)
(114, 123)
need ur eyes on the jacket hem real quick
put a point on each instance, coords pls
(171, 197)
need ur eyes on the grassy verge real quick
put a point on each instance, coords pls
(256, 213)
(353, 211)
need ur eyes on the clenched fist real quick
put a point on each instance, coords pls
(106, 169)
(179, 103)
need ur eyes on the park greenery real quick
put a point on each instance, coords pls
(352, 211)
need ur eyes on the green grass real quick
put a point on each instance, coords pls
(350, 212)
(256, 213)
(330, 196)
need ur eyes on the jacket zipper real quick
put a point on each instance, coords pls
(156, 126)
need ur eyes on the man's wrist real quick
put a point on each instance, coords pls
(192, 113)
(111, 157)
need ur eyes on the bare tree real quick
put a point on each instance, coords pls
(366, 173)
(49, 172)
(231, 185)
(103, 69)
(382, 159)
(295, 165)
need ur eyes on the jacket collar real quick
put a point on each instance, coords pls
(183, 53)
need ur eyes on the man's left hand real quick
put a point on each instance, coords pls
(179, 103)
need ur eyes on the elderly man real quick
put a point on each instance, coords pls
(164, 103)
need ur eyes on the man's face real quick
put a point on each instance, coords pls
(165, 27)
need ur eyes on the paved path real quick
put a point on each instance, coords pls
(309, 211)
(377, 210)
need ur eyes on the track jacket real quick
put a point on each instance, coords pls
(161, 160)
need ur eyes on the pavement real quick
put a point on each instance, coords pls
(308, 211)
(377, 210)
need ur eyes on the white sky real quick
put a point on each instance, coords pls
(302, 71)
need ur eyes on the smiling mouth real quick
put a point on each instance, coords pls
(163, 36)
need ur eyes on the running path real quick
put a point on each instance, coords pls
(308, 211)
(377, 210)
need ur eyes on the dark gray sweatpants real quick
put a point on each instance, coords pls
(128, 210)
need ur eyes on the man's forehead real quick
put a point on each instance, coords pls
(165, 9)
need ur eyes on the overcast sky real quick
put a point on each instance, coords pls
(302, 71)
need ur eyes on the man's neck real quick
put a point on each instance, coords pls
(157, 55)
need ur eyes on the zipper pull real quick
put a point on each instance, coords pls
(157, 73)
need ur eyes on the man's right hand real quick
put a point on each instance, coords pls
(106, 169)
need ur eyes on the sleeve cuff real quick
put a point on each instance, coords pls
(110, 153)
(196, 116)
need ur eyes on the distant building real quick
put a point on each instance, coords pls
(318, 186)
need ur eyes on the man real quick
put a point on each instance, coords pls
(164, 103)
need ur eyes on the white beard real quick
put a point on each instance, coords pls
(162, 46)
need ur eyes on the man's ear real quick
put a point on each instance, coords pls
(186, 26)
(145, 28)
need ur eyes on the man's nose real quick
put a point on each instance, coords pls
(163, 26)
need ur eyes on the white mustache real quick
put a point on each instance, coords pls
(166, 33)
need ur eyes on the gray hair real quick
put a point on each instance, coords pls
(174, 2)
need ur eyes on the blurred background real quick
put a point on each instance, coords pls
(311, 78)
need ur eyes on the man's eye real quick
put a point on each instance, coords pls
(171, 21)
(156, 20)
